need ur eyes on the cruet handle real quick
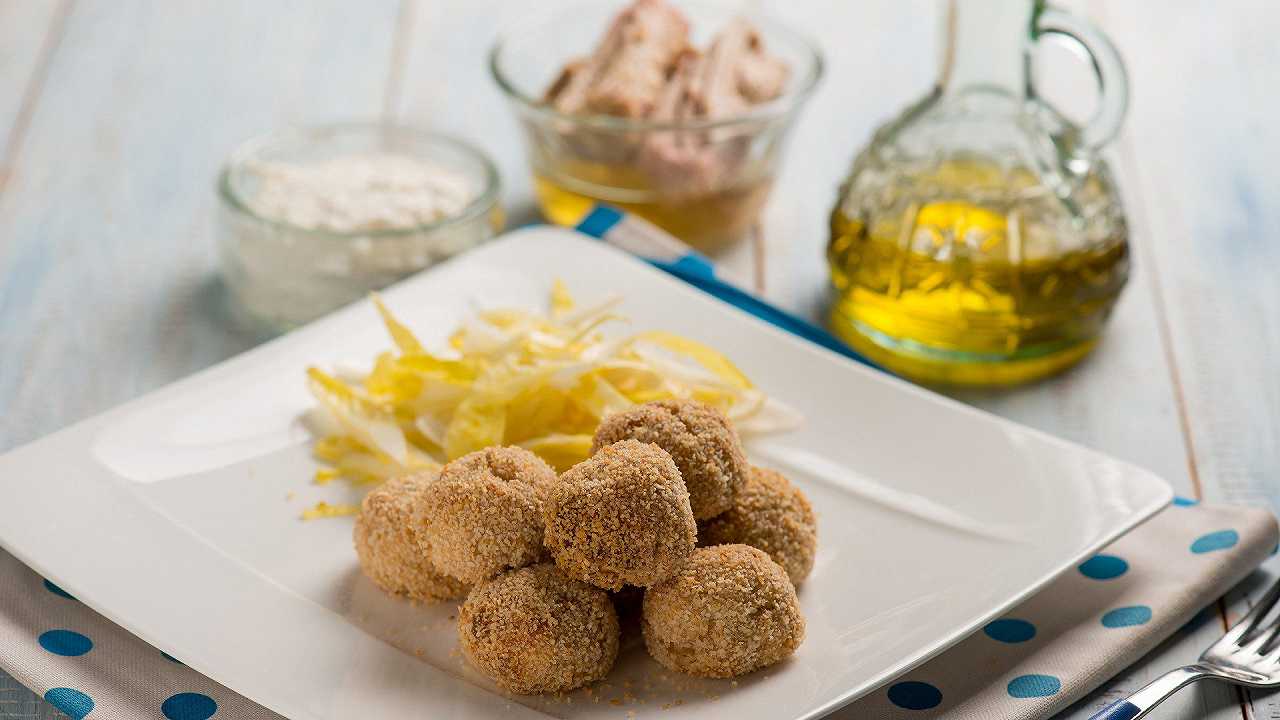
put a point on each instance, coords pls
(1113, 80)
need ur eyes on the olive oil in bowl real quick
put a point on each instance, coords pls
(709, 219)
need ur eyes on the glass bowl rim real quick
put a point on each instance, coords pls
(480, 205)
(779, 107)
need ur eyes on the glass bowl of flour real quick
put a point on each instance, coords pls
(311, 219)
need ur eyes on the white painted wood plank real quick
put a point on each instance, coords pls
(1205, 161)
(107, 273)
(25, 34)
(19, 703)
(1206, 158)
(28, 33)
(106, 268)
(447, 86)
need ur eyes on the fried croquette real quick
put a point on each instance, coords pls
(700, 440)
(535, 630)
(483, 514)
(773, 515)
(621, 517)
(728, 611)
(388, 548)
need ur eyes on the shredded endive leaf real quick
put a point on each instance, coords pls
(541, 381)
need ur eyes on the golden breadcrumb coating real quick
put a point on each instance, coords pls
(621, 517)
(534, 630)
(698, 437)
(728, 611)
(771, 514)
(483, 514)
(388, 548)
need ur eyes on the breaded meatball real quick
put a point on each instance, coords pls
(771, 514)
(388, 547)
(534, 630)
(698, 437)
(483, 514)
(621, 517)
(728, 611)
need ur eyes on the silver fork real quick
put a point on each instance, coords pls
(1249, 654)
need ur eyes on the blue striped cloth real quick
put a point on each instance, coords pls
(674, 257)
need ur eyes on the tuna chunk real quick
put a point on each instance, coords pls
(644, 68)
(758, 76)
(629, 68)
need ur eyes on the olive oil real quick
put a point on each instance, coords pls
(709, 220)
(972, 272)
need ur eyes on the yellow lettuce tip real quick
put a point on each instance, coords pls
(323, 509)
(514, 377)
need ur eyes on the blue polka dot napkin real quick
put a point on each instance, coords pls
(88, 667)
(1051, 650)
(1087, 625)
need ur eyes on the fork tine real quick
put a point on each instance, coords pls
(1266, 636)
(1250, 622)
(1271, 632)
(1271, 652)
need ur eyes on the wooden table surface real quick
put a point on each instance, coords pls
(115, 114)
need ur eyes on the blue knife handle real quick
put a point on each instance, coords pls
(1157, 691)
(1118, 710)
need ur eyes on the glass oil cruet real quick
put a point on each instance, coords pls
(980, 239)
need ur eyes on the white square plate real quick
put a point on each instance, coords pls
(176, 515)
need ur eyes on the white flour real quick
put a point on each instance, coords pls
(358, 193)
